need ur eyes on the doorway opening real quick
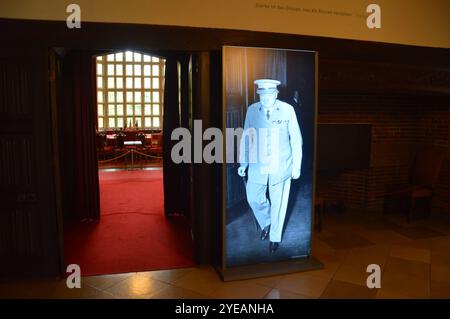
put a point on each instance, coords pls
(117, 108)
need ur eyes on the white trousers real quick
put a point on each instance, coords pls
(271, 212)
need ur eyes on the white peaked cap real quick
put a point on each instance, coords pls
(266, 85)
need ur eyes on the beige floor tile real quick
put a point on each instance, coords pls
(335, 256)
(384, 237)
(136, 286)
(419, 244)
(61, 291)
(409, 253)
(395, 285)
(105, 281)
(439, 290)
(440, 244)
(203, 280)
(168, 276)
(364, 256)
(270, 282)
(304, 284)
(99, 294)
(172, 292)
(329, 270)
(409, 267)
(441, 258)
(276, 293)
(439, 225)
(352, 274)
(440, 273)
(344, 290)
(240, 290)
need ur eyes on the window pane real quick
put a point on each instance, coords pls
(119, 69)
(154, 59)
(119, 109)
(99, 68)
(119, 83)
(155, 70)
(137, 83)
(147, 83)
(147, 110)
(148, 122)
(100, 82)
(119, 96)
(111, 122)
(111, 83)
(129, 97)
(129, 109)
(119, 56)
(110, 70)
(110, 57)
(137, 57)
(100, 109)
(137, 109)
(128, 56)
(129, 69)
(147, 97)
(110, 96)
(156, 97)
(100, 97)
(137, 96)
(156, 83)
(155, 109)
(119, 122)
(100, 122)
(156, 122)
(147, 58)
(137, 69)
(129, 83)
(111, 109)
(147, 70)
(138, 121)
(99, 58)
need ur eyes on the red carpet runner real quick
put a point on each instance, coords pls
(133, 234)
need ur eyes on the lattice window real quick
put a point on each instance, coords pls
(130, 90)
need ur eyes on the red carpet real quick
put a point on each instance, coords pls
(133, 234)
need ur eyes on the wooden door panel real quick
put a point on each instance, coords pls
(28, 232)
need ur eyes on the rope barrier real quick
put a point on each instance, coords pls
(126, 153)
(115, 158)
(143, 154)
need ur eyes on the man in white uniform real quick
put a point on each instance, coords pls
(271, 149)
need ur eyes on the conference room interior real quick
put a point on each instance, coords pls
(110, 130)
(382, 174)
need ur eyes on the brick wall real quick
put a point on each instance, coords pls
(400, 126)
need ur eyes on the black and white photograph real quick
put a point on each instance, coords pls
(270, 95)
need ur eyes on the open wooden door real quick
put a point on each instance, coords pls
(28, 218)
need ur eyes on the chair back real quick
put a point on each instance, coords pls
(427, 166)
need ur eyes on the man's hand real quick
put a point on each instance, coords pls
(241, 171)
(296, 174)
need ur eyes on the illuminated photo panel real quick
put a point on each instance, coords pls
(270, 95)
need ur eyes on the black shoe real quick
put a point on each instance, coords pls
(273, 246)
(265, 233)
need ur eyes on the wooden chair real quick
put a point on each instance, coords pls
(424, 176)
(156, 146)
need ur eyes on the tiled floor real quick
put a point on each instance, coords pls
(414, 258)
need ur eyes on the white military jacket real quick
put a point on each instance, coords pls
(271, 149)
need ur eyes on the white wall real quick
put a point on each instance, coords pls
(414, 22)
